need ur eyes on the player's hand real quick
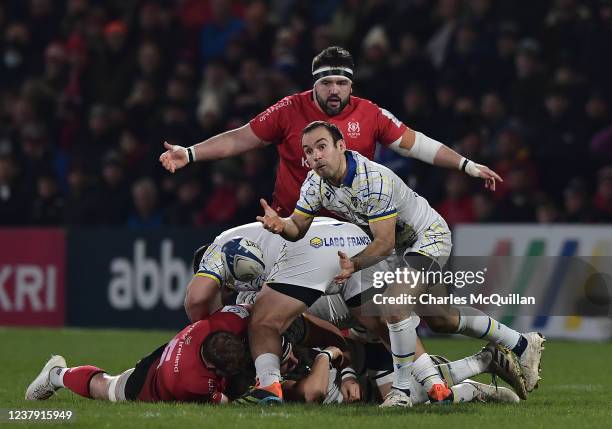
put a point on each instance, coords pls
(351, 390)
(483, 172)
(347, 268)
(270, 220)
(174, 157)
(338, 360)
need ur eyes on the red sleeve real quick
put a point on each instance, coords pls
(206, 389)
(388, 127)
(269, 125)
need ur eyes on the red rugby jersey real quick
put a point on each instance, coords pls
(362, 123)
(179, 374)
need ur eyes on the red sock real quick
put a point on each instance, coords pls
(77, 379)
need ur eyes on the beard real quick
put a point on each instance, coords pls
(331, 111)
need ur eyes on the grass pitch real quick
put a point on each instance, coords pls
(575, 390)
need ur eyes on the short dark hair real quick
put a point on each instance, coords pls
(333, 130)
(226, 351)
(333, 56)
(197, 257)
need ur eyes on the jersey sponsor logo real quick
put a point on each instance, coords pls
(283, 103)
(349, 241)
(353, 129)
(392, 117)
(316, 242)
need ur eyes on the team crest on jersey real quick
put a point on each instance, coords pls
(316, 242)
(355, 201)
(353, 129)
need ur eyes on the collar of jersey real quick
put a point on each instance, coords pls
(351, 169)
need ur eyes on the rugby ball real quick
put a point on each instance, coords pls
(243, 258)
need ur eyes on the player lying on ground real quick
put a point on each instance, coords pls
(313, 377)
(199, 362)
(196, 365)
(371, 195)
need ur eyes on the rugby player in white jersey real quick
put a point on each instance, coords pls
(371, 195)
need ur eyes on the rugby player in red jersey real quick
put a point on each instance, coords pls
(194, 366)
(360, 120)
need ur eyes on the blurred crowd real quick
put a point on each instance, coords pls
(90, 90)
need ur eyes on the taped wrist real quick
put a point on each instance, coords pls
(348, 372)
(469, 167)
(190, 151)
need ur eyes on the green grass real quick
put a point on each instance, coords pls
(575, 390)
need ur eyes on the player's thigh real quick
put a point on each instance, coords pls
(275, 309)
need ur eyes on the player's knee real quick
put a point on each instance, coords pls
(442, 324)
(99, 385)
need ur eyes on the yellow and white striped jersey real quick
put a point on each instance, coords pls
(370, 192)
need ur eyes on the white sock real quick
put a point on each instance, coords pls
(418, 394)
(56, 376)
(457, 371)
(267, 368)
(464, 392)
(476, 324)
(425, 372)
(402, 336)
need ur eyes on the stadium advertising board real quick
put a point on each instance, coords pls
(32, 277)
(130, 279)
(566, 268)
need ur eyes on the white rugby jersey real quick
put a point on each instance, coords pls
(322, 232)
(370, 192)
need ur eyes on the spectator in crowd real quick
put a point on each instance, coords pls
(577, 203)
(189, 200)
(48, 204)
(13, 200)
(602, 201)
(81, 201)
(146, 213)
(114, 197)
(458, 205)
(519, 203)
(222, 203)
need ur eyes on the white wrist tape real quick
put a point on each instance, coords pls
(190, 154)
(348, 372)
(469, 167)
(424, 148)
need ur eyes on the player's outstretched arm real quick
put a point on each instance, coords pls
(291, 228)
(417, 145)
(229, 143)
